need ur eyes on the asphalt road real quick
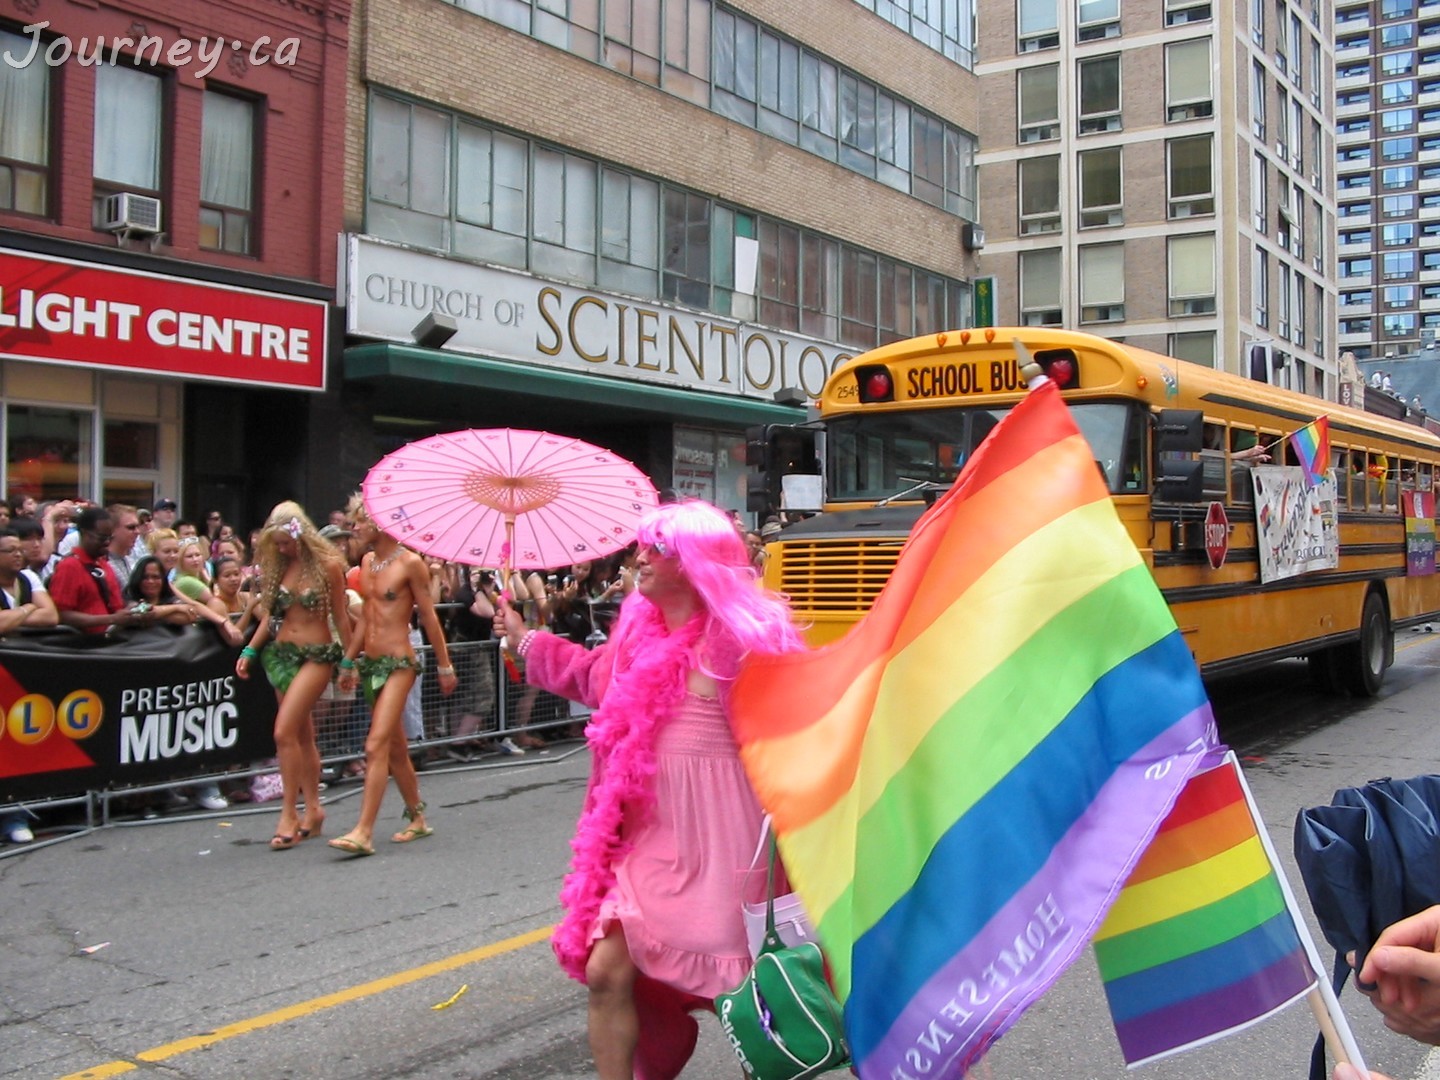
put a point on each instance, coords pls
(187, 949)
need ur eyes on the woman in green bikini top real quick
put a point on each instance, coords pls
(304, 591)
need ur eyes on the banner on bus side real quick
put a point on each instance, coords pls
(1419, 509)
(83, 712)
(1295, 523)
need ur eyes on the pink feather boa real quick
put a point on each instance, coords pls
(646, 688)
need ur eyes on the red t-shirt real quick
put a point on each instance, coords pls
(86, 585)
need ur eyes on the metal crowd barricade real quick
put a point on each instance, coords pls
(489, 713)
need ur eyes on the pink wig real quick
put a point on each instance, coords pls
(715, 561)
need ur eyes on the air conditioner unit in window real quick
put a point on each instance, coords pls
(132, 214)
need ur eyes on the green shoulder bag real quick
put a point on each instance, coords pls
(783, 1021)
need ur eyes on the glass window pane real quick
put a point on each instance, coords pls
(1039, 94)
(24, 105)
(48, 453)
(1188, 70)
(227, 144)
(128, 105)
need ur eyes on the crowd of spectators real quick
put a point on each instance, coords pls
(122, 570)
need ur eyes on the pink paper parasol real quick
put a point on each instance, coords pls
(501, 497)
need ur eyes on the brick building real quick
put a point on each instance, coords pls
(171, 185)
(643, 221)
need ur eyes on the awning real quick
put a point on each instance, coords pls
(413, 368)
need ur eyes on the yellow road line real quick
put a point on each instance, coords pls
(314, 1005)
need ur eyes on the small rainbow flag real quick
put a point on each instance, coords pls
(1312, 448)
(962, 783)
(1202, 942)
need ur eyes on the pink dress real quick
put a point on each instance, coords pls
(678, 891)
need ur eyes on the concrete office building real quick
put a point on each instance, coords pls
(647, 223)
(1161, 173)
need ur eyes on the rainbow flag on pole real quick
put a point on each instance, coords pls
(1202, 942)
(962, 783)
(1312, 449)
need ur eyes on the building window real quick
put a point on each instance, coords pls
(129, 117)
(25, 133)
(1179, 12)
(1038, 25)
(1097, 19)
(227, 154)
(1188, 93)
(1398, 265)
(1192, 186)
(1192, 275)
(1039, 104)
(1397, 120)
(629, 232)
(1399, 296)
(1100, 94)
(1397, 149)
(1401, 63)
(1258, 97)
(1395, 177)
(1399, 92)
(1260, 286)
(1397, 235)
(1361, 267)
(1102, 283)
(49, 452)
(1259, 193)
(1040, 288)
(1100, 188)
(1197, 348)
(947, 27)
(1039, 195)
(538, 208)
(1398, 36)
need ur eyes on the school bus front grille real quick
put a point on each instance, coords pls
(835, 576)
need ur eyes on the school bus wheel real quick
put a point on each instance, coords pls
(1363, 662)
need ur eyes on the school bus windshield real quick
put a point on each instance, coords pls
(873, 455)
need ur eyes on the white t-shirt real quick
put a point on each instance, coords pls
(8, 600)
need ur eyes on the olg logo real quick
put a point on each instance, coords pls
(32, 718)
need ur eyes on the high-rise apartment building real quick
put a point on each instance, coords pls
(1387, 143)
(1162, 174)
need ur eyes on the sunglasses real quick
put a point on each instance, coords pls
(660, 548)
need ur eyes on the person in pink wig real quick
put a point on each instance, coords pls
(652, 920)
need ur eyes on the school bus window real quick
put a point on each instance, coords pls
(1213, 470)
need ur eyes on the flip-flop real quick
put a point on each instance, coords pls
(351, 847)
(412, 832)
(281, 842)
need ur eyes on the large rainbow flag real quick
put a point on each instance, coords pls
(962, 783)
(1202, 942)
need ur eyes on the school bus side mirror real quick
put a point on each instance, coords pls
(1179, 431)
(1180, 480)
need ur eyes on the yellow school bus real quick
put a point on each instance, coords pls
(1194, 459)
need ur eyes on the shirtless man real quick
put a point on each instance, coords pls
(394, 581)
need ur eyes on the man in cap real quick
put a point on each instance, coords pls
(164, 514)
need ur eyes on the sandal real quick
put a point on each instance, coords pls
(281, 842)
(412, 831)
(351, 847)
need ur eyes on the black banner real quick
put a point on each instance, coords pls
(84, 712)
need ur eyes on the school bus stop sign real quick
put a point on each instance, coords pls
(1217, 535)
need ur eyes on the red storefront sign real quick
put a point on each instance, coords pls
(61, 311)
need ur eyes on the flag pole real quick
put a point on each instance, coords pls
(1339, 1039)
